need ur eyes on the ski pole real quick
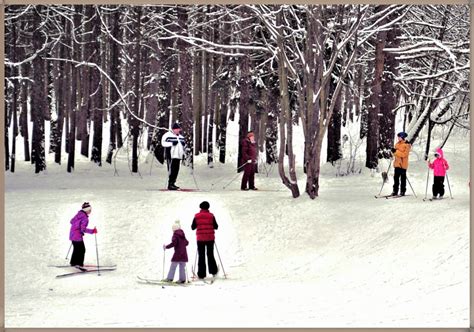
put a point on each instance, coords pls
(383, 182)
(220, 260)
(164, 250)
(411, 187)
(195, 260)
(97, 253)
(233, 179)
(447, 180)
(427, 179)
(68, 251)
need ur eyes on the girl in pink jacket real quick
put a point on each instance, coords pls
(439, 167)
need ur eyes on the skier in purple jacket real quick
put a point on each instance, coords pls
(78, 229)
(180, 257)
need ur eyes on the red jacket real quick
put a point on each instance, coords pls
(249, 151)
(205, 223)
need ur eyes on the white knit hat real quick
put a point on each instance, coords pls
(176, 225)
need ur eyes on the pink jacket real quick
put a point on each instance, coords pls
(439, 165)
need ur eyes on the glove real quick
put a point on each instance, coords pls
(94, 231)
(394, 150)
(175, 143)
(164, 246)
(249, 161)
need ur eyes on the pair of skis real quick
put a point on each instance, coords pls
(390, 196)
(433, 199)
(164, 283)
(84, 269)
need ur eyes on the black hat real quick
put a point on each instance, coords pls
(204, 205)
(86, 206)
(176, 126)
(402, 134)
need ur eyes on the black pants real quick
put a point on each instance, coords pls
(204, 246)
(78, 253)
(438, 186)
(173, 170)
(400, 174)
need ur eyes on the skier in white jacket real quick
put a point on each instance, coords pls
(174, 145)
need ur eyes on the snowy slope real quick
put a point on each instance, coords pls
(342, 260)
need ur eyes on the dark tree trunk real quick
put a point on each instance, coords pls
(388, 101)
(185, 79)
(244, 83)
(169, 64)
(334, 152)
(134, 124)
(39, 99)
(61, 103)
(87, 81)
(114, 132)
(373, 125)
(223, 85)
(212, 103)
(198, 87)
(75, 96)
(97, 99)
(24, 114)
(271, 132)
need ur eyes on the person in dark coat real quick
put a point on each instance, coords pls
(78, 228)
(205, 223)
(180, 257)
(249, 160)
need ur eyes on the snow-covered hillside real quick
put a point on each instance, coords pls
(345, 259)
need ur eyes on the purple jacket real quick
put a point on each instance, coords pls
(79, 226)
(179, 243)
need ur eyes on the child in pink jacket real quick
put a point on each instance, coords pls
(439, 167)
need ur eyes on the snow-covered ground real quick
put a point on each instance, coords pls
(345, 259)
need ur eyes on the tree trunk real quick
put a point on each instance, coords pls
(388, 101)
(212, 102)
(75, 96)
(271, 132)
(334, 152)
(97, 98)
(244, 83)
(286, 140)
(166, 84)
(38, 100)
(198, 95)
(115, 127)
(186, 71)
(24, 114)
(373, 125)
(61, 104)
(134, 124)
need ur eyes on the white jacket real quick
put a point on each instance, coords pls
(173, 151)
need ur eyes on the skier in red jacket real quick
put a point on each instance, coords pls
(205, 223)
(249, 159)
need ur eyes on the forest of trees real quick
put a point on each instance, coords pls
(140, 68)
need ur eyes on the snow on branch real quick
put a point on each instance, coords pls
(191, 40)
(31, 58)
(10, 18)
(122, 97)
(442, 73)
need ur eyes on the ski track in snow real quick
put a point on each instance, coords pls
(342, 260)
